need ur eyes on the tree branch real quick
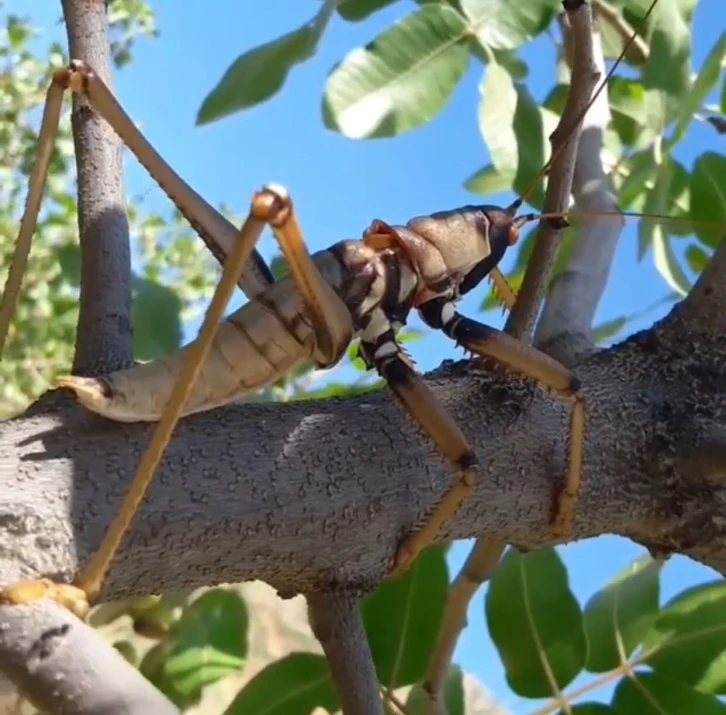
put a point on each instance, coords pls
(104, 333)
(316, 495)
(565, 327)
(336, 622)
(704, 308)
(62, 665)
(564, 141)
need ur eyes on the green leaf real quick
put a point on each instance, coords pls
(401, 79)
(535, 622)
(640, 168)
(505, 25)
(618, 617)
(708, 197)
(666, 74)
(402, 619)
(663, 199)
(704, 83)
(697, 258)
(156, 316)
(608, 329)
(688, 639)
(357, 10)
(453, 695)
(512, 126)
(293, 685)
(489, 181)
(627, 100)
(652, 694)
(668, 265)
(258, 74)
(208, 642)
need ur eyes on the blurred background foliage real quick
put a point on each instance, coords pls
(625, 647)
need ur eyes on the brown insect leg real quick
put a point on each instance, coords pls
(440, 427)
(36, 185)
(329, 316)
(530, 362)
(216, 231)
(504, 292)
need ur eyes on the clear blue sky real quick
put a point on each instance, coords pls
(340, 185)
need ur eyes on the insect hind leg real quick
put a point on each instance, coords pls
(489, 342)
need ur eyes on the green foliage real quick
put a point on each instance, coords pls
(535, 622)
(402, 619)
(176, 276)
(206, 644)
(617, 618)
(404, 77)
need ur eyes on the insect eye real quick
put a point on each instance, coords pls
(513, 235)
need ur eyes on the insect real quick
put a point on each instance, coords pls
(363, 288)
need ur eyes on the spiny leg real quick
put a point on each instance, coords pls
(502, 290)
(328, 315)
(489, 342)
(76, 597)
(392, 364)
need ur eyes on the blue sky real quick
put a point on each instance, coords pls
(340, 185)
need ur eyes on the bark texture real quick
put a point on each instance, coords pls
(317, 494)
(105, 300)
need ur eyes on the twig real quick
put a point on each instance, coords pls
(477, 569)
(564, 330)
(564, 142)
(104, 334)
(336, 622)
(64, 666)
(485, 554)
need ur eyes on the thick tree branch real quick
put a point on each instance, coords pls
(336, 622)
(705, 306)
(314, 494)
(104, 334)
(564, 330)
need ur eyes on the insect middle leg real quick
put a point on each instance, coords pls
(489, 342)
(387, 357)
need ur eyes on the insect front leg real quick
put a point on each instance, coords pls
(385, 355)
(489, 342)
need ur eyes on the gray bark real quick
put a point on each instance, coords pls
(104, 335)
(315, 494)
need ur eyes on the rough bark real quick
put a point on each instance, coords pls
(312, 494)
